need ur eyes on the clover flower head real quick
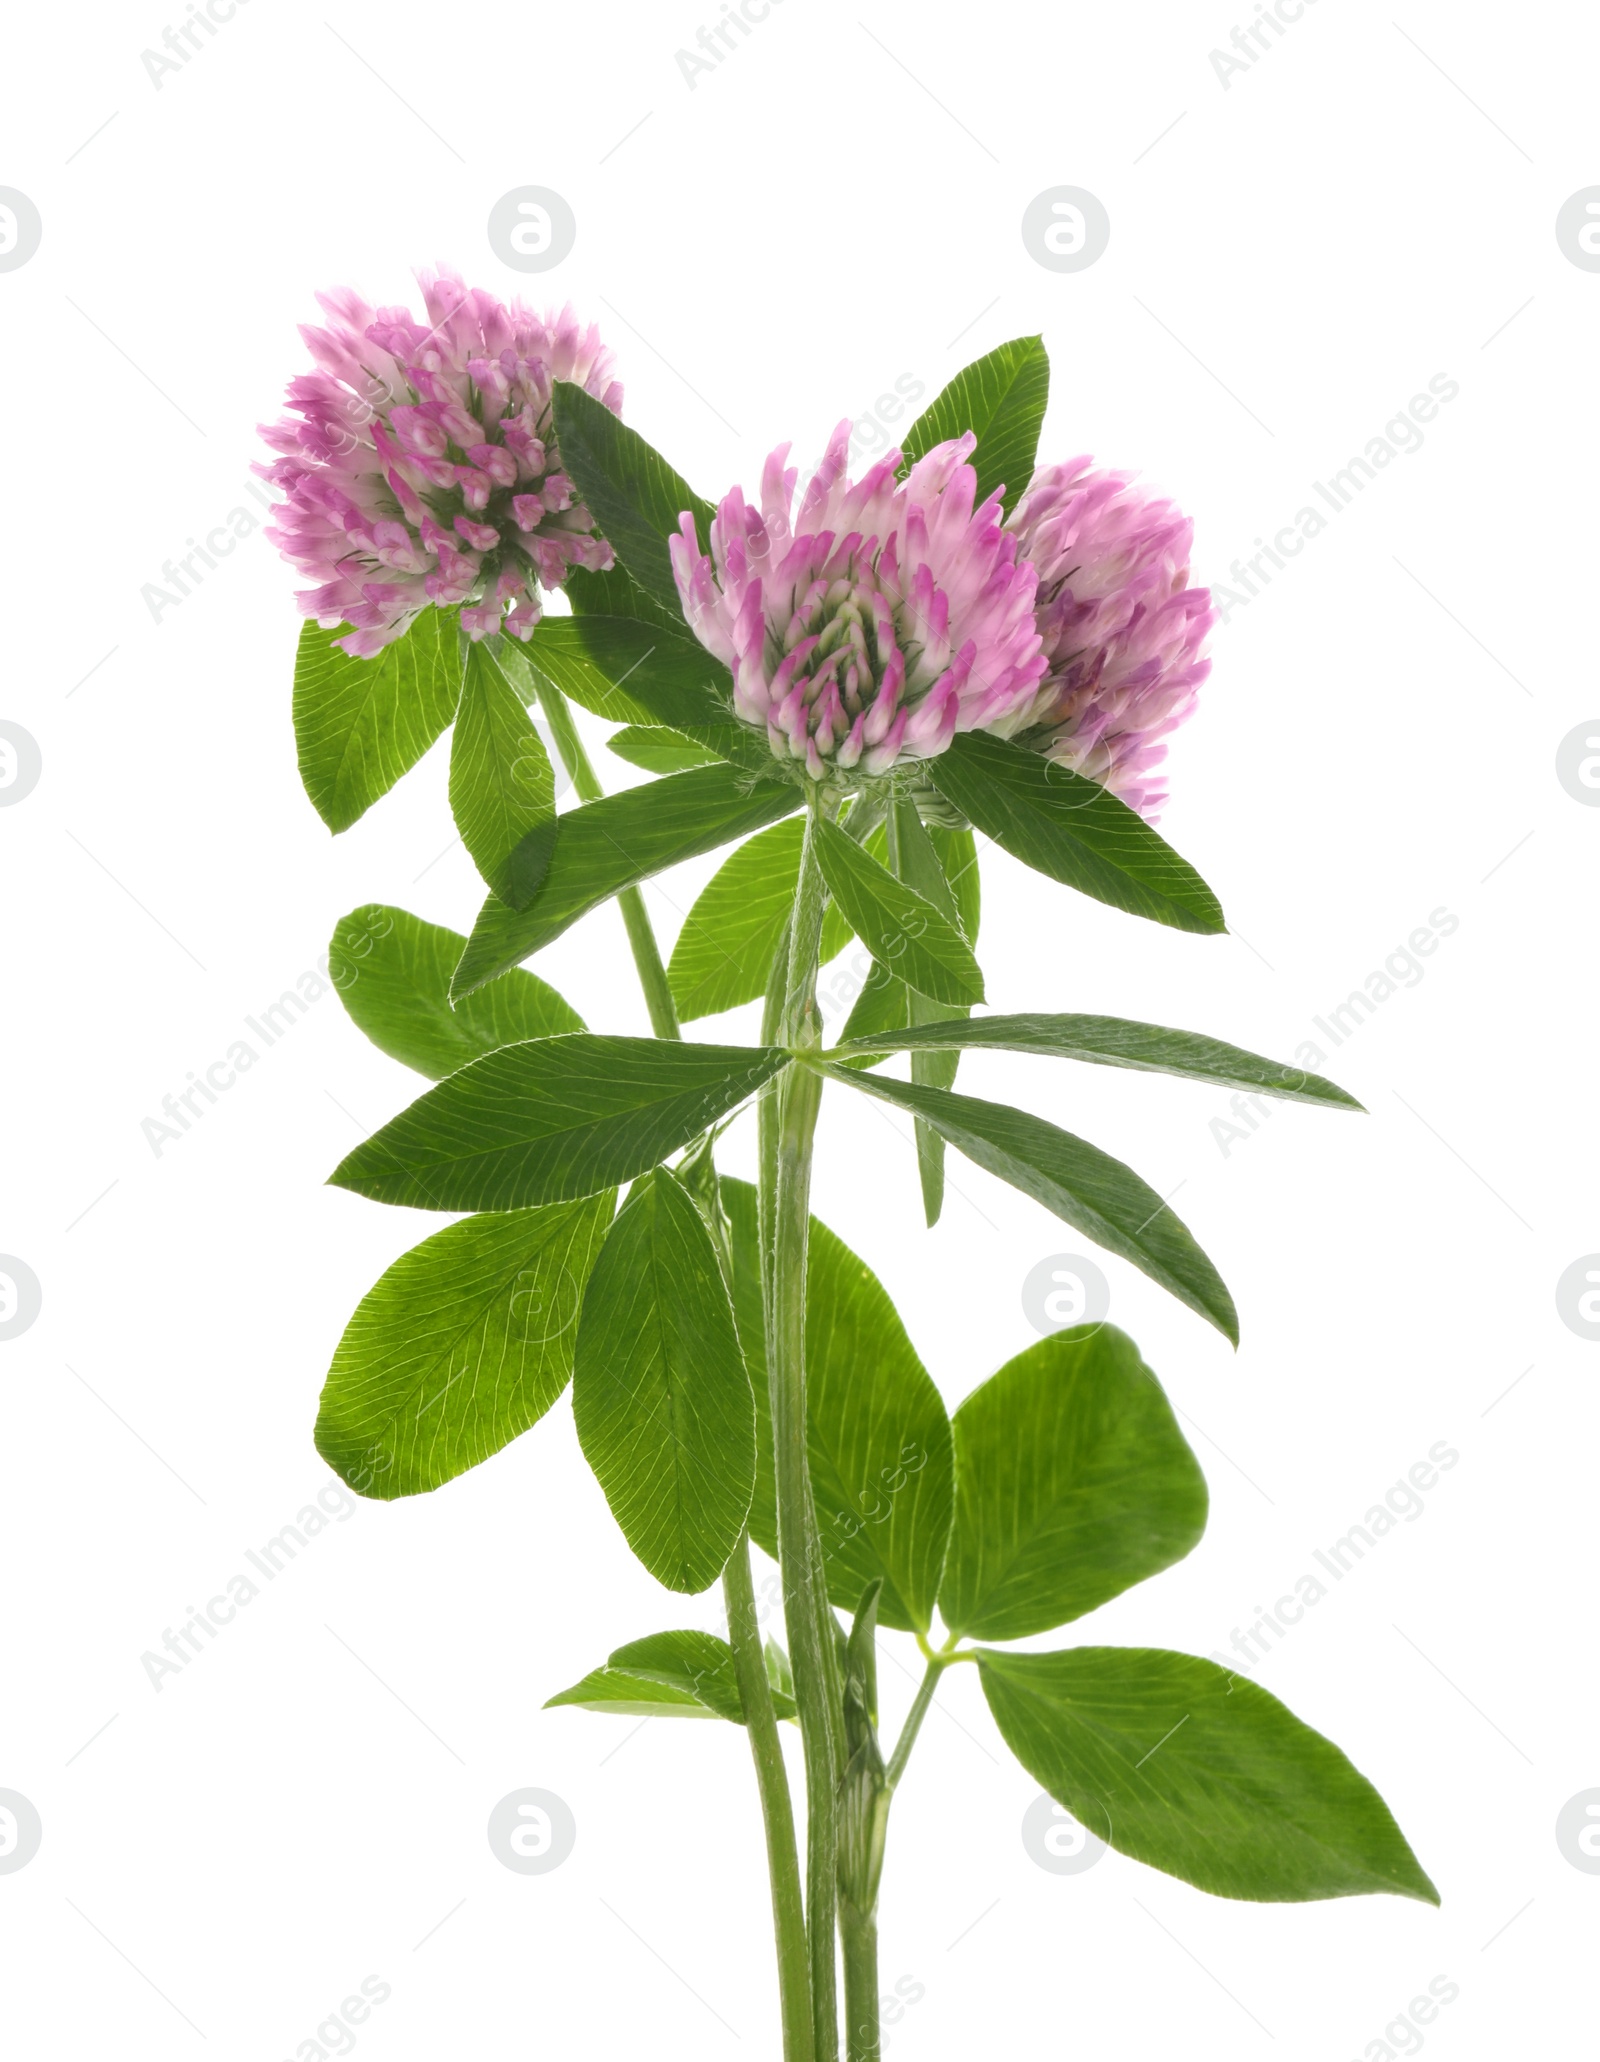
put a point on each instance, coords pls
(417, 465)
(1123, 630)
(868, 625)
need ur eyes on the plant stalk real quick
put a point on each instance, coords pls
(786, 1171)
(859, 1932)
(777, 1807)
(738, 1590)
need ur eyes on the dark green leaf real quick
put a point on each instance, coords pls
(1194, 1770)
(460, 1346)
(634, 495)
(630, 670)
(1085, 1187)
(1001, 397)
(360, 723)
(1073, 1482)
(1072, 829)
(552, 1120)
(879, 1437)
(660, 1395)
(1111, 1042)
(899, 927)
(613, 844)
(724, 952)
(502, 785)
(658, 750)
(393, 972)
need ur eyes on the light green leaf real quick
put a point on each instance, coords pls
(458, 1347)
(668, 1675)
(360, 723)
(1085, 1187)
(1196, 1771)
(1073, 830)
(724, 952)
(502, 786)
(634, 495)
(614, 844)
(1001, 397)
(915, 859)
(660, 1395)
(1073, 1482)
(900, 928)
(393, 972)
(659, 750)
(552, 1120)
(1110, 1042)
(879, 1440)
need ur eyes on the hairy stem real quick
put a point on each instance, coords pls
(777, 1808)
(744, 1634)
(859, 1932)
(789, 1131)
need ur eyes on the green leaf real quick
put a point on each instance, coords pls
(1085, 1187)
(899, 927)
(1001, 397)
(879, 1437)
(627, 669)
(659, 750)
(1072, 829)
(393, 972)
(916, 860)
(724, 952)
(1194, 1770)
(615, 843)
(1073, 1482)
(668, 1675)
(660, 1395)
(460, 1346)
(502, 785)
(552, 1120)
(634, 495)
(1111, 1042)
(616, 1694)
(360, 723)
(879, 1014)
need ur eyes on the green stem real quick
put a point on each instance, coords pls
(641, 938)
(786, 1169)
(914, 1718)
(777, 1808)
(744, 1633)
(859, 1931)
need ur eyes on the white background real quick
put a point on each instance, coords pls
(1293, 255)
